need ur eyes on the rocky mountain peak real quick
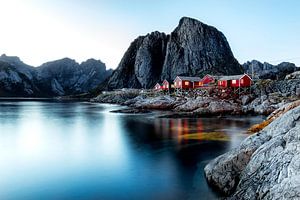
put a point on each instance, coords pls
(59, 62)
(189, 22)
(192, 49)
(13, 60)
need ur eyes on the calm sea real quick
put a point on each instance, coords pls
(75, 150)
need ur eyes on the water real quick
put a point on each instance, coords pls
(73, 150)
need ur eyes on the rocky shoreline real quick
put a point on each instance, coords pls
(266, 165)
(195, 106)
(266, 96)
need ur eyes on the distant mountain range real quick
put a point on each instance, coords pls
(56, 78)
(267, 71)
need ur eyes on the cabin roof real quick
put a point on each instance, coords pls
(216, 77)
(235, 77)
(189, 78)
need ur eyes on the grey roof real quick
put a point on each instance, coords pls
(235, 77)
(189, 78)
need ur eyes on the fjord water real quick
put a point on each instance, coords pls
(75, 150)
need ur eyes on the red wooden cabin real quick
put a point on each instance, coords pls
(243, 80)
(165, 85)
(209, 79)
(185, 82)
(157, 86)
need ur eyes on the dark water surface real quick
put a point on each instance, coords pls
(57, 150)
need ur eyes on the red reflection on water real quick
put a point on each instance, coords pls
(199, 130)
(186, 130)
(180, 129)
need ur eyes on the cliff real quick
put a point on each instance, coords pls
(192, 49)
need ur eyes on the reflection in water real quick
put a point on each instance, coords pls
(187, 129)
(57, 150)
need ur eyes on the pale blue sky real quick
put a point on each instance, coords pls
(43, 30)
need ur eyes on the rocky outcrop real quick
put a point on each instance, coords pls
(264, 166)
(116, 97)
(141, 65)
(274, 115)
(188, 106)
(61, 77)
(193, 48)
(196, 49)
(268, 71)
(16, 81)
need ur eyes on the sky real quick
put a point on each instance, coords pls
(43, 30)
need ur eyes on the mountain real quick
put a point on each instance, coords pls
(141, 66)
(56, 78)
(16, 81)
(268, 71)
(192, 49)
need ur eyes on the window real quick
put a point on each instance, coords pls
(186, 83)
(175, 84)
(180, 83)
(242, 81)
(233, 81)
(167, 86)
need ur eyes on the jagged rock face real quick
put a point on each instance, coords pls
(268, 71)
(265, 165)
(197, 49)
(149, 59)
(15, 82)
(142, 63)
(66, 76)
(193, 49)
(61, 77)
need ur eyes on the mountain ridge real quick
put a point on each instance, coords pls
(55, 78)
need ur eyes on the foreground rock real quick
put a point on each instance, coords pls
(265, 166)
(274, 115)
